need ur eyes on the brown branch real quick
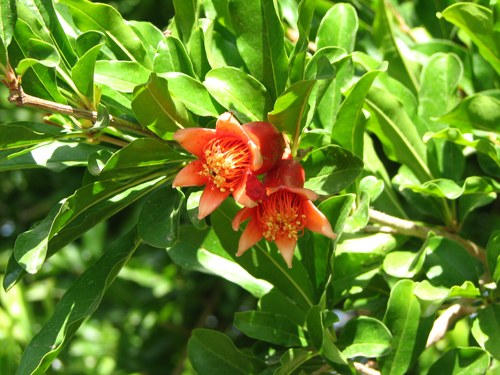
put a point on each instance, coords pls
(410, 228)
(20, 98)
(446, 320)
(364, 369)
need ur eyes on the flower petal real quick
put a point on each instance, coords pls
(190, 175)
(194, 139)
(241, 196)
(316, 221)
(286, 246)
(241, 216)
(250, 236)
(227, 123)
(211, 198)
(303, 192)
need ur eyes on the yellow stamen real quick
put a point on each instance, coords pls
(226, 162)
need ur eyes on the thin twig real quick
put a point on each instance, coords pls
(446, 320)
(410, 228)
(364, 369)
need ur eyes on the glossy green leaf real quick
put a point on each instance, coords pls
(8, 16)
(397, 132)
(200, 250)
(409, 332)
(291, 108)
(192, 94)
(72, 217)
(450, 264)
(122, 40)
(80, 300)
(122, 76)
(22, 134)
(384, 32)
(83, 72)
(449, 189)
(213, 353)
(348, 128)
(493, 255)
(481, 143)
(150, 35)
(197, 52)
(315, 328)
(159, 220)
(292, 360)
(38, 52)
(276, 302)
(157, 110)
(439, 80)
(220, 46)
(142, 155)
(430, 297)
(260, 41)
(404, 264)
(239, 92)
(479, 111)
(331, 169)
(172, 57)
(185, 17)
(269, 327)
(365, 337)
(298, 55)
(461, 361)
(477, 21)
(55, 156)
(486, 330)
(338, 27)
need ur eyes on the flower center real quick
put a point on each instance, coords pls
(281, 215)
(226, 162)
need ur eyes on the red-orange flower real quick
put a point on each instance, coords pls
(285, 213)
(228, 156)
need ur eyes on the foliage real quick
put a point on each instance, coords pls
(392, 111)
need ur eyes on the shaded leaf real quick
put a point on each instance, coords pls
(365, 337)
(486, 330)
(172, 57)
(461, 361)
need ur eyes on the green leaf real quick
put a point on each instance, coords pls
(331, 169)
(213, 353)
(449, 189)
(299, 53)
(461, 361)
(239, 92)
(450, 264)
(185, 17)
(121, 38)
(220, 46)
(201, 251)
(22, 134)
(172, 57)
(479, 111)
(348, 128)
(260, 41)
(140, 156)
(405, 264)
(159, 220)
(439, 81)
(82, 73)
(274, 328)
(338, 27)
(493, 255)
(68, 220)
(486, 330)
(292, 360)
(290, 109)
(80, 300)
(276, 302)
(197, 53)
(55, 156)
(157, 110)
(192, 94)
(315, 328)
(121, 76)
(365, 337)
(477, 21)
(397, 132)
(384, 33)
(38, 52)
(8, 16)
(409, 332)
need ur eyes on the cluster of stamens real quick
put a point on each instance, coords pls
(281, 215)
(226, 161)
